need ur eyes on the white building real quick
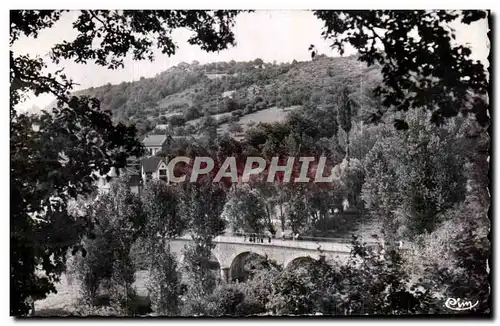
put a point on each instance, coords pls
(154, 168)
(155, 144)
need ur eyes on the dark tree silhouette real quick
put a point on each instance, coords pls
(313, 51)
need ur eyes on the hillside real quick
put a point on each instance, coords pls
(235, 94)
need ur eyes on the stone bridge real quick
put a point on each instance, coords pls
(231, 252)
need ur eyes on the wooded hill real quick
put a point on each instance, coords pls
(231, 91)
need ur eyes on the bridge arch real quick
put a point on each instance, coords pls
(237, 271)
(300, 258)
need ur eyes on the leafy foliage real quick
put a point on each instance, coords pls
(202, 205)
(164, 284)
(164, 219)
(77, 129)
(163, 222)
(421, 66)
(413, 175)
(245, 210)
(118, 220)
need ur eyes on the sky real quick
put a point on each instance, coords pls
(271, 35)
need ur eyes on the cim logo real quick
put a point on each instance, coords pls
(459, 304)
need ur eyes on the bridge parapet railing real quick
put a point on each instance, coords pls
(311, 243)
(308, 244)
(299, 238)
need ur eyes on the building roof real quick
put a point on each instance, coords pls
(151, 163)
(187, 137)
(154, 140)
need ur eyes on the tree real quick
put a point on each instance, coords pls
(118, 221)
(296, 212)
(208, 126)
(227, 300)
(345, 116)
(164, 221)
(237, 113)
(193, 112)
(362, 138)
(258, 62)
(202, 205)
(291, 295)
(230, 105)
(249, 109)
(462, 239)
(352, 177)
(163, 120)
(76, 129)
(258, 288)
(373, 281)
(164, 283)
(416, 69)
(177, 120)
(245, 210)
(54, 157)
(413, 175)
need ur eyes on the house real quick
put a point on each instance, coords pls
(155, 144)
(154, 168)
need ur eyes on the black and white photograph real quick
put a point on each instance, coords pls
(250, 163)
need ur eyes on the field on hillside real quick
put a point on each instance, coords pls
(272, 114)
(194, 122)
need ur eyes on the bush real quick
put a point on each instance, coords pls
(192, 113)
(237, 113)
(248, 109)
(223, 119)
(226, 301)
(177, 120)
(162, 120)
(260, 106)
(292, 295)
(235, 127)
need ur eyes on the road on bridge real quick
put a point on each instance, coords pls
(333, 245)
